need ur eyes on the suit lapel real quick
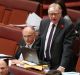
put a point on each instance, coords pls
(58, 29)
(46, 29)
(45, 32)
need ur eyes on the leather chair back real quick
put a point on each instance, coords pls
(8, 39)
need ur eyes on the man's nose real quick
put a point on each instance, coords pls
(53, 16)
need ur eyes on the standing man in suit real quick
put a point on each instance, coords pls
(57, 49)
(28, 41)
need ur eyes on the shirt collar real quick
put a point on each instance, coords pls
(53, 23)
(29, 46)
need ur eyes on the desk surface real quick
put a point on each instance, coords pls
(21, 71)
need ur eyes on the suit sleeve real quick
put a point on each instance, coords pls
(18, 52)
(20, 45)
(68, 54)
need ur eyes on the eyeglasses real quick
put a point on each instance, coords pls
(56, 14)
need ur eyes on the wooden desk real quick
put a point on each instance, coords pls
(21, 71)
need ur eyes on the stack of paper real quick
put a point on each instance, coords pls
(33, 20)
(4, 56)
(26, 64)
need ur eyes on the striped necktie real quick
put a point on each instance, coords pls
(49, 42)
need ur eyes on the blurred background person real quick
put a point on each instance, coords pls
(4, 69)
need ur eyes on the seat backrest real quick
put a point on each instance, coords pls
(76, 45)
(74, 14)
(78, 65)
(76, 49)
(8, 39)
(16, 11)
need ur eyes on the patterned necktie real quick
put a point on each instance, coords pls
(48, 43)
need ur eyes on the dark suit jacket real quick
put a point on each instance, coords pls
(61, 48)
(21, 45)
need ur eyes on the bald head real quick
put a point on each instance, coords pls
(2, 62)
(28, 29)
(29, 34)
(3, 67)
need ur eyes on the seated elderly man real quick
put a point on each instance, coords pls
(29, 40)
(4, 67)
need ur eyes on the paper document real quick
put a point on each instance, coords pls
(33, 20)
(70, 73)
(26, 64)
(3, 56)
(29, 63)
(20, 25)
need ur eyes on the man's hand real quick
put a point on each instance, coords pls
(15, 61)
(60, 68)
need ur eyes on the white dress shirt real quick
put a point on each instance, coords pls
(47, 37)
